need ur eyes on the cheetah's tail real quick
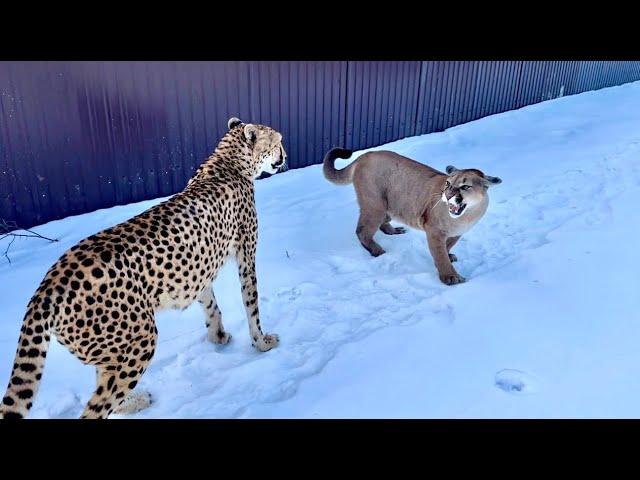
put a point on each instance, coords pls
(28, 364)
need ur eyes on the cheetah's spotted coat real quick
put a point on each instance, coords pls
(99, 299)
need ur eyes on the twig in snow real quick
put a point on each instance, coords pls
(6, 252)
(7, 229)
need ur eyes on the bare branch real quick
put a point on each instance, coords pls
(6, 252)
(7, 229)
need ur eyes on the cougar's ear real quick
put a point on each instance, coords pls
(451, 170)
(250, 132)
(492, 180)
(233, 122)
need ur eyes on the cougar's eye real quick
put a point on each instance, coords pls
(465, 187)
(448, 184)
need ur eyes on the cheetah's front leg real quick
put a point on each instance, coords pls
(215, 329)
(246, 258)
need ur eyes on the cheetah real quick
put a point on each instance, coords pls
(99, 299)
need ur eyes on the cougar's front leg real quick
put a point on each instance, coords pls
(438, 248)
(451, 241)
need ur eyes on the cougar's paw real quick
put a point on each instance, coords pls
(452, 279)
(453, 258)
(374, 250)
(389, 230)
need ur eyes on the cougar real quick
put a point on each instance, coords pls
(390, 186)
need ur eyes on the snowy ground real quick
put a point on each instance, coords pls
(547, 324)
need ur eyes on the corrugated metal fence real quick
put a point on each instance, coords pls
(78, 136)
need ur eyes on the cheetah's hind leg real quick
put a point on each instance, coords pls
(215, 330)
(134, 402)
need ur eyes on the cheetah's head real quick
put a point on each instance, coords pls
(268, 154)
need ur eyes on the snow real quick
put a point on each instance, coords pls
(546, 326)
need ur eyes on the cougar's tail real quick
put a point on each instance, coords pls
(339, 177)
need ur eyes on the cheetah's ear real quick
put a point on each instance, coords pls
(250, 132)
(233, 122)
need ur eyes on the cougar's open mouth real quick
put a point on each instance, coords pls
(456, 210)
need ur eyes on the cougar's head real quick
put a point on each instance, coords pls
(464, 189)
